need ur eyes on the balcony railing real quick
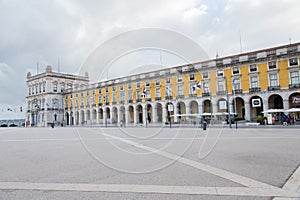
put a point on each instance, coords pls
(99, 104)
(193, 95)
(254, 89)
(148, 99)
(291, 86)
(205, 94)
(180, 96)
(275, 87)
(237, 91)
(130, 101)
(157, 98)
(139, 100)
(221, 93)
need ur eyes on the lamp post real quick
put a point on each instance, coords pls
(227, 98)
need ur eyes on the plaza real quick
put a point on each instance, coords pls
(149, 163)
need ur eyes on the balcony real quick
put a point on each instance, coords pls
(148, 99)
(193, 95)
(157, 98)
(99, 104)
(114, 103)
(139, 100)
(237, 91)
(275, 87)
(180, 96)
(130, 101)
(107, 103)
(257, 89)
(205, 94)
(122, 102)
(291, 86)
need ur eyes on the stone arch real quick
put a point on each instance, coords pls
(256, 107)
(159, 112)
(275, 101)
(139, 114)
(239, 107)
(181, 110)
(114, 118)
(194, 107)
(207, 107)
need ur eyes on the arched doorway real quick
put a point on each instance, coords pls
(181, 110)
(159, 112)
(256, 107)
(115, 115)
(139, 112)
(239, 107)
(131, 114)
(170, 111)
(77, 117)
(207, 108)
(149, 113)
(194, 107)
(294, 100)
(88, 115)
(94, 115)
(100, 113)
(82, 117)
(67, 118)
(222, 105)
(108, 117)
(275, 101)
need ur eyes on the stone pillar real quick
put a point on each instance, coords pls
(175, 113)
(97, 116)
(286, 104)
(265, 107)
(188, 110)
(144, 106)
(135, 114)
(247, 111)
(119, 115)
(104, 116)
(164, 113)
(127, 117)
(112, 117)
(154, 114)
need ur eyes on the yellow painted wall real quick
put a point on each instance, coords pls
(198, 78)
(213, 83)
(69, 100)
(110, 95)
(174, 87)
(133, 91)
(186, 85)
(228, 75)
(79, 100)
(163, 88)
(263, 76)
(245, 82)
(152, 89)
(97, 97)
(283, 74)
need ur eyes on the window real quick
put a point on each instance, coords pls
(192, 77)
(180, 90)
(254, 82)
(236, 84)
(157, 83)
(106, 89)
(121, 87)
(114, 97)
(100, 98)
(129, 86)
(168, 80)
(114, 88)
(294, 77)
(29, 90)
(36, 88)
(253, 68)
(148, 94)
(157, 92)
(205, 74)
(220, 73)
(147, 84)
(273, 80)
(206, 87)
(293, 61)
(44, 87)
(236, 70)
(55, 87)
(129, 96)
(138, 85)
(122, 96)
(179, 79)
(55, 103)
(220, 85)
(272, 65)
(40, 88)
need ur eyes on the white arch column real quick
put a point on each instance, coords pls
(104, 116)
(144, 113)
(286, 104)
(112, 117)
(164, 113)
(247, 111)
(188, 109)
(127, 117)
(175, 113)
(265, 106)
(119, 115)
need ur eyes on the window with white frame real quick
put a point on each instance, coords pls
(206, 87)
(253, 68)
(272, 65)
(192, 77)
(294, 77)
(147, 84)
(168, 80)
(273, 80)
(44, 86)
(129, 95)
(254, 82)
(157, 92)
(220, 73)
(236, 84)
(121, 88)
(180, 90)
(114, 97)
(293, 61)
(148, 94)
(100, 98)
(138, 94)
(129, 86)
(157, 83)
(54, 87)
(235, 70)
(179, 79)
(205, 74)
(220, 85)
(138, 85)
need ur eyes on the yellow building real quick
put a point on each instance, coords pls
(248, 84)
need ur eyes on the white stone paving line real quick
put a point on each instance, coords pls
(292, 185)
(212, 170)
(157, 189)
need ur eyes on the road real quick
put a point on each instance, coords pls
(149, 163)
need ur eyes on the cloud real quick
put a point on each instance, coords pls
(192, 13)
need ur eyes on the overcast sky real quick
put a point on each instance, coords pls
(42, 31)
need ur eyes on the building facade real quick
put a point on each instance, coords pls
(247, 84)
(44, 96)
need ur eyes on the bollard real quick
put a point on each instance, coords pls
(204, 125)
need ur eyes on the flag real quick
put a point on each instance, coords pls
(143, 92)
(197, 86)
